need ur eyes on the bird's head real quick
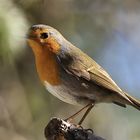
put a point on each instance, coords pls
(42, 37)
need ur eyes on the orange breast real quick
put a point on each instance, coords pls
(46, 64)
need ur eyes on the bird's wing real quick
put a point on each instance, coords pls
(83, 66)
(94, 73)
(77, 63)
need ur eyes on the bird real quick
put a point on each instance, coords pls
(70, 74)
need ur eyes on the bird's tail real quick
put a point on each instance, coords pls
(135, 103)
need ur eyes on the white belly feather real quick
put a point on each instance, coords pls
(62, 93)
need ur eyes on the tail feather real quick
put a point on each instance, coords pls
(134, 102)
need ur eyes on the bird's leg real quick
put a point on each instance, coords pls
(77, 113)
(86, 113)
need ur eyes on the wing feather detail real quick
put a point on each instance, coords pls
(82, 66)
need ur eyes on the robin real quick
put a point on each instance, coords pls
(70, 74)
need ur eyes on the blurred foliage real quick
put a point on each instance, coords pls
(107, 30)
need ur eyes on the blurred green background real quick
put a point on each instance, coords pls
(109, 31)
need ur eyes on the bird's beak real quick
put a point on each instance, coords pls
(30, 36)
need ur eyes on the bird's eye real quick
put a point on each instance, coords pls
(44, 35)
